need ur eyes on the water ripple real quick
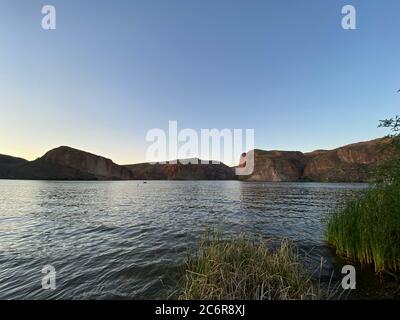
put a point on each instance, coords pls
(124, 240)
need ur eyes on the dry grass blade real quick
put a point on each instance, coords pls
(243, 269)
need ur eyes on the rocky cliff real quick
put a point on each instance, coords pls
(179, 171)
(351, 163)
(8, 165)
(63, 163)
(275, 165)
(41, 169)
(100, 167)
(354, 162)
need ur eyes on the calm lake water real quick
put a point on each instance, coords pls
(128, 239)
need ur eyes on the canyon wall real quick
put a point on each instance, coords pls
(352, 163)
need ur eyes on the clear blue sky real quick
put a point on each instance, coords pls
(115, 69)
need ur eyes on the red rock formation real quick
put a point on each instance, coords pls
(351, 163)
(354, 162)
(101, 167)
(275, 165)
(179, 171)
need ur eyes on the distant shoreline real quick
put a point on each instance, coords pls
(241, 181)
(354, 163)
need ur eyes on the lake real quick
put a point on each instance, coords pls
(127, 240)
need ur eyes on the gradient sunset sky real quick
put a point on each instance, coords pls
(112, 70)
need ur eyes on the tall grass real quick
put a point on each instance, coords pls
(368, 229)
(246, 270)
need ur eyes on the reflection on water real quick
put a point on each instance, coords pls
(127, 239)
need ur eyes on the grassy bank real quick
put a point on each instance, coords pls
(242, 269)
(368, 230)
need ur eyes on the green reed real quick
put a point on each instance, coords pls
(368, 229)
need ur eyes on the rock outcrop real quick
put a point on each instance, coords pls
(63, 163)
(275, 165)
(178, 171)
(9, 164)
(100, 167)
(351, 163)
(41, 169)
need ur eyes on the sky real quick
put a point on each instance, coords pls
(113, 70)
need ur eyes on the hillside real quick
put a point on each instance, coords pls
(352, 163)
(179, 171)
